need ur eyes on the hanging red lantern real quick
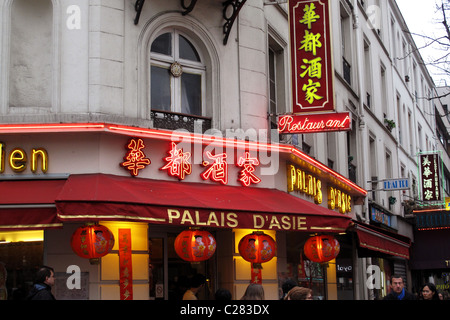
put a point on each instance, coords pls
(92, 241)
(257, 248)
(322, 248)
(195, 245)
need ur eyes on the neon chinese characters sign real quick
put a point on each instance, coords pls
(178, 164)
(247, 175)
(135, 158)
(218, 169)
(312, 69)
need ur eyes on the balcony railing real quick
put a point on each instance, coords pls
(173, 121)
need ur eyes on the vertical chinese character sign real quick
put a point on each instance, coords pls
(125, 265)
(311, 56)
(430, 178)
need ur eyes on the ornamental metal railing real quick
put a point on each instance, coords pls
(174, 120)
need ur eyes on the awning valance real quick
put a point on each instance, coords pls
(29, 204)
(372, 239)
(95, 197)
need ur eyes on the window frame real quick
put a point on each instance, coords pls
(189, 66)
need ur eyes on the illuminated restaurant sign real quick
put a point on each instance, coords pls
(178, 164)
(306, 183)
(311, 123)
(221, 219)
(18, 159)
(430, 177)
(311, 56)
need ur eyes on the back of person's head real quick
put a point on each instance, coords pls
(223, 294)
(43, 273)
(254, 292)
(298, 293)
(288, 285)
(197, 280)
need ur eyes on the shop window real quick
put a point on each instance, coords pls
(304, 272)
(21, 255)
(177, 83)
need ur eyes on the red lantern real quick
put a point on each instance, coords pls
(257, 248)
(195, 245)
(92, 242)
(321, 248)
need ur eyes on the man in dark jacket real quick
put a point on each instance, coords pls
(398, 291)
(42, 289)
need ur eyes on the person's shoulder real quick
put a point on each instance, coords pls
(389, 296)
(189, 295)
(410, 296)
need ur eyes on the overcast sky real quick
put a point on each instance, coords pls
(422, 17)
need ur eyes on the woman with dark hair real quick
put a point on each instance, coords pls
(428, 292)
(299, 293)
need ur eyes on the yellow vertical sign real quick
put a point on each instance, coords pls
(447, 203)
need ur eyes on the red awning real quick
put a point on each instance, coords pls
(372, 239)
(98, 197)
(29, 204)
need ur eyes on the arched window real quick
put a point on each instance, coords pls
(177, 75)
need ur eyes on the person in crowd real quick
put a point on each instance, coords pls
(428, 292)
(299, 293)
(197, 283)
(287, 285)
(398, 291)
(254, 291)
(223, 294)
(42, 289)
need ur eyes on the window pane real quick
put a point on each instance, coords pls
(163, 44)
(160, 91)
(187, 50)
(191, 94)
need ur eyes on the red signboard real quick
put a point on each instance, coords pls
(125, 265)
(313, 123)
(311, 56)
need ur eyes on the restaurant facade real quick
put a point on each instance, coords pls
(57, 178)
(153, 118)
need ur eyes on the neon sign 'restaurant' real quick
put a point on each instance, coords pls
(313, 123)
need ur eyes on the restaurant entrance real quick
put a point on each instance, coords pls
(169, 275)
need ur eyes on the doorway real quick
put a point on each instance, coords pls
(169, 275)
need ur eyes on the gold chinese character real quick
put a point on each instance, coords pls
(311, 42)
(311, 90)
(310, 15)
(314, 70)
